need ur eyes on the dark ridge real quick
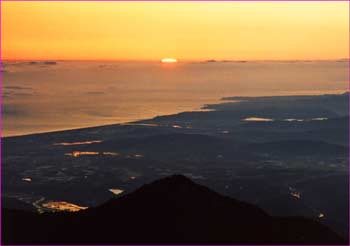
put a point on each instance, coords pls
(173, 210)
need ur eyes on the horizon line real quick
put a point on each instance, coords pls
(178, 59)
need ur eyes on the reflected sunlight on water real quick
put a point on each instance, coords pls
(65, 94)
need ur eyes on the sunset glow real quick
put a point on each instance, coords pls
(168, 60)
(187, 30)
(127, 121)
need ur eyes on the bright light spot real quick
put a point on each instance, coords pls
(62, 206)
(296, 194)
(116, 191)
(321, 118)
(321, 215)
(81, 153)
(291, 120)
(110, 153)
(168, 60)
(78, 143)
(257, 119)
(27, 179)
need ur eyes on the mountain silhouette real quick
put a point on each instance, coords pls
(173, 210)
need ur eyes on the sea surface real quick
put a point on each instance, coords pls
(43, 96)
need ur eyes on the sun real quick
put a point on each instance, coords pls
(168, 60)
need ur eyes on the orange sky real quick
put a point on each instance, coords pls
(183, 30)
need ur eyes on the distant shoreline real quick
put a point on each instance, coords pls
(205, 107)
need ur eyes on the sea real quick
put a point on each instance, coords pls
(45, 96)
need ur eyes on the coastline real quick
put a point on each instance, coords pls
(204, 108)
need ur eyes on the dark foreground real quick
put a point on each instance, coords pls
(173, 210)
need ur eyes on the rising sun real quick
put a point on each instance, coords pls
(168, 60)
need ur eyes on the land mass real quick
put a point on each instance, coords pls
(172, 210)
(286, 155)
